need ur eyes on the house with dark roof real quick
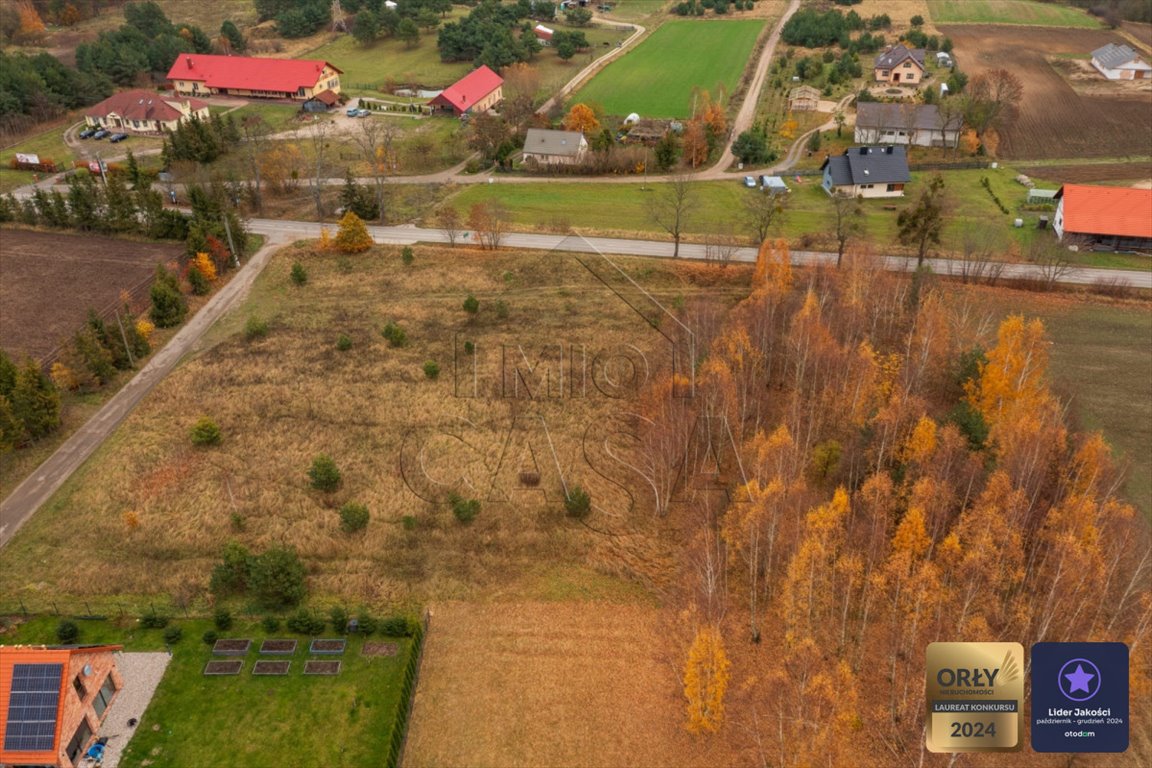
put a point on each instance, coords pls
(53, 700)
(1119, 62)
(867, 172)
(919, 124)
(546, 147)
(196, 74)
(900, 64)
(1117, 218)
(142, 111)
(475, 93)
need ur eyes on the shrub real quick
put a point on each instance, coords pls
(67, 632)
(465, 510)
(324, 474)
(234, 572)
(299, 274)
(344, 343)
(168, 304)
(471, 305)
(153, 620)
(339, 618)
(173, 634)
(205, 432)
(210, 637)
(305, 623)
(278, 577)
(395, 335)
(469, 348)
(199, 283)
(431, 369)
(368, 624)
(394, 626)
(270, 624)
(238, 524)
(577, 503)
(501, 309)
(222, 619)
(353, 517)
(255, 328)
(407, 256)
(409, 522)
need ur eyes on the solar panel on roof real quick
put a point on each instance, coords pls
(32, 706)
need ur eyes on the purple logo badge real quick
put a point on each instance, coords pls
(1079, 680)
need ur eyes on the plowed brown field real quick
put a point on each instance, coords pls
(1054, 120)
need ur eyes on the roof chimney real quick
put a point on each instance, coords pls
(863, 150)
(189, 60)
(891, 150)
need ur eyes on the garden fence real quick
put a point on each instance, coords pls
(408, 693)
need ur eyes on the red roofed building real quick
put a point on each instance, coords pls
(478, 91)
(52, 701)
(1113, 217)
(144, 111)
(196, 74)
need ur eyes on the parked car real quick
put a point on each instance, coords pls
(750, 182)
(87, 133)
(352, 112)
(101, 134)
(116, 138)
(363, 113)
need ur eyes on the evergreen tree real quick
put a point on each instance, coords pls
(231, 32)
(111, 339)
(95, 356)
(120, 215)
(84, 201)
(35, 401)
(358, 199)
(11, 430)
(7, 374)
(168, 304)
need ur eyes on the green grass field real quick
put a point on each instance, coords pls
(1009, 12)
(657, 78)
(247, 720)
(368, 69)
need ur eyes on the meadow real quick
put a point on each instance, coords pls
(658, 77)
(1024, 12)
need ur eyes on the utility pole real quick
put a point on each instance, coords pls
(231, 244)
(124, 336)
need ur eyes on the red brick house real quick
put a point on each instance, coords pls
(52, 701)
(477, 92)
(198, 74)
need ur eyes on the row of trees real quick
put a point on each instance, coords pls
(895, 475)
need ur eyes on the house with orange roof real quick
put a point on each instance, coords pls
(202, 75)
(1119, 218)
(52, 701)
(475, 93)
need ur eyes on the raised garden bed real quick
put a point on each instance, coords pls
(278, 647)
(322, 667)
(231, 647)
(271, 667)
(223, 667)
(380, 649)
(334, 646)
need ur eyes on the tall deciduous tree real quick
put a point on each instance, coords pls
(670, 208)
(581, 118)
(921, 225)
(706, 675)
(847, 222)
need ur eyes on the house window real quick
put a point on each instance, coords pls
(300, 91)
(78, 686)
(908, 64)
(884, 73)
(104, 695)
(895, 187)
(79, 741)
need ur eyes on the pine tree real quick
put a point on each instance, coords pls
(35, 402)
(11, 430)
(168, 303)
(8, 372)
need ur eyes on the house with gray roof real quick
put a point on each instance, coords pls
(867, 172)
(1119, 62)
(548, 147)
(900, 64)
(919, 124)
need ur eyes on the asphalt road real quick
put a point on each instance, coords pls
(36, 489)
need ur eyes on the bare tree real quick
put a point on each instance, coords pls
(448, 219)
(721, 244)
(847, 222)
(978, 258)
(993, 97)
(1052, 259)
(318, 133)
(375, 141)
(762, 212)
(256, 133)
(489, 220)
(950, 113)
(670, 207)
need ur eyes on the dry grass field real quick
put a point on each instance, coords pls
(402, 441)
(1052, 120)
(554, 684)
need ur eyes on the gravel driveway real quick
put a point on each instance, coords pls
(141, 673)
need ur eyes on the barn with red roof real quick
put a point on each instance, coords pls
(1119, 218)
(478, 91)
(248, 77)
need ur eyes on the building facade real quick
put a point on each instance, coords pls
(1116, 218)
(867, 172)
(141, 111)
(248, 77)
(547, 147)
(909, 124)
(900, 65)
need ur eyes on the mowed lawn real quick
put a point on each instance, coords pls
(658, 77)
(369, 68)
(1009, 12)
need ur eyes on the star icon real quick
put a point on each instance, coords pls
(1079, 679)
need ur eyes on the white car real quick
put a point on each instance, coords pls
(750, 182)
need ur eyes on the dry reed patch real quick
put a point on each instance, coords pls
(555, 684)
(283, 399)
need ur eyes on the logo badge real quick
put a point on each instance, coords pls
(1079, 697)
(975, 697)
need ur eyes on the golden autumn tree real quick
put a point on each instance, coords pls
(773, 266)
(1014, 372)
(352, 235)
(31, 25)
(203, 263)
(695, 143)
(581, 118)
(706, 674)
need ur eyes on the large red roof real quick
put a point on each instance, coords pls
(140, 104)
(1121, 211)
(471, 88)
(248, 73)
